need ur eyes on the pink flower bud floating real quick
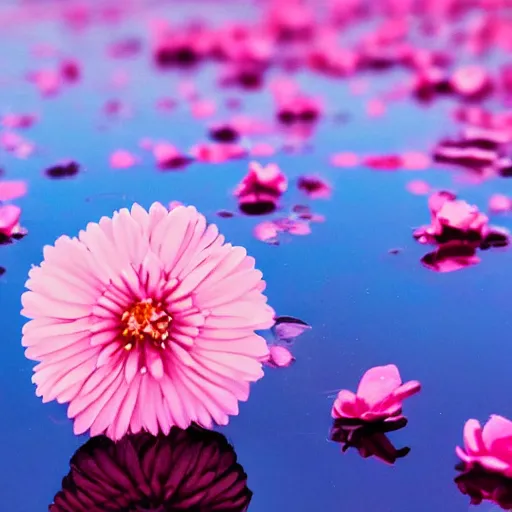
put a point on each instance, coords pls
(379, 396)
(146, 321)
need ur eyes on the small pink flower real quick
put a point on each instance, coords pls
(261, 187)
(10, 190)
(379, 396)
(122, 159)
(489, 447)
(48, 81)
(146, 321)
(262, 149)
(10, 220)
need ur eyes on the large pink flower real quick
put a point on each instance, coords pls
(146, 321)
(489, 447)
(379, 396)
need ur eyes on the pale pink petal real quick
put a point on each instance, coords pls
(10, 190)
(378, 383)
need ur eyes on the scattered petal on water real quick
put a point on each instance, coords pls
(345, 159)
(497, 203)
(279, 356)
(315, 187)
(384, 162)
(168, 157)
(19, 121)
(287, 328)
(10, 190)
(418, 187)
(10, 221)
(122, 159)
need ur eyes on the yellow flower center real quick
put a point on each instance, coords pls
(145, 321)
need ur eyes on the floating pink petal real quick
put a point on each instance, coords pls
(418, 187)
(167, 156)
(383, 162)
(156, 318)
(267, 231)
(16, 144)
(315, 187)
(10, 190)
(379, 396)
(346, 159)
(18, 120)
(48, 81)
(216, 152)
(9, 220)
(203, 108)
(498, 203)
(471, 82)
(263, 149)
(415, 160)
(375, 108)
(122, 159)
(279, 357)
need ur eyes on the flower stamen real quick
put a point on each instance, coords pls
(145, 321)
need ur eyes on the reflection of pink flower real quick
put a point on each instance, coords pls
(489, 447)
(191, 469)
(379, 396)
(10, 220)
(146, 321)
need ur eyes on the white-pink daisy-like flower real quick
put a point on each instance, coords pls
(146, 321)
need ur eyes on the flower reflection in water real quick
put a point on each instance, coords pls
(369, 439)
(194, 470)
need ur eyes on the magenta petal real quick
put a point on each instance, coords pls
(497, 437)
(473, 441)
(378, 383)
(346, 405)
(9, 218)
(406, 390)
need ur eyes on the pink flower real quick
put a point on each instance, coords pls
(122, 159)
(191, 469)
(18, 120)
(418, 187)
(10, 190)
(471, 82)
(489, 447)
(379, 396)
(146, 321)
(10, 220)
(261, 188)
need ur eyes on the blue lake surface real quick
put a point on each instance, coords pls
(366, 307)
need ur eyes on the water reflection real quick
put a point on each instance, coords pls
(194, 470)
(369, 439)
(480, 485)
